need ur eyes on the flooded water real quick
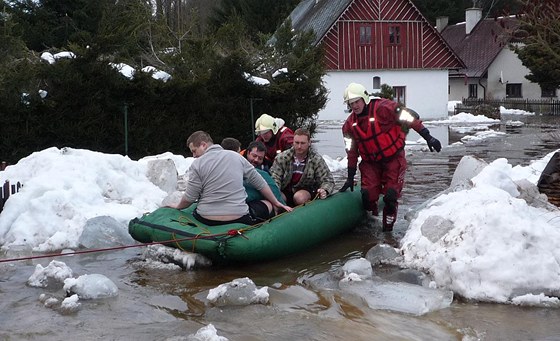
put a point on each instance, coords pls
(156, 304)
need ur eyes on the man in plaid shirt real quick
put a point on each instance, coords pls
(300, 172)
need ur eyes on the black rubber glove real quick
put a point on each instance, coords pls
(349, 181)
(433, 143)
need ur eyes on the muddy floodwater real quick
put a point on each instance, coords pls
(157, 304)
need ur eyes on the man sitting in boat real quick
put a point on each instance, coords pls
(256, 154)
(255, 157)
(300, 172)
(216, 182)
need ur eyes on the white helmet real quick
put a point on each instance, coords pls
(266, 122)
(354, 91)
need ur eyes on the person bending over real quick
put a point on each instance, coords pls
(375, 130)
(275, 136)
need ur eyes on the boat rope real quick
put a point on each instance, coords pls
(122, 247)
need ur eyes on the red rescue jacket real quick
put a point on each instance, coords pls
(378, 141)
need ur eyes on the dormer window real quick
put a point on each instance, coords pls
(394, 34)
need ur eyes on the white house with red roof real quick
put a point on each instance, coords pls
(492, 69)
(375, 42)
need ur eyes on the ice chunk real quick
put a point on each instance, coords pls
(166, 254)
(360, 267)
(351, 277)
(91, 286)
(55, 272)
(240, 291)
(398, 296)
(163, 173)
(436, 227)
(208, 333)
(182, 182)
(529, 192)
(104, 231)
(540, 300)
(409, 276)
(48, 301)
(70, 304)
(381, 253)
(468, 167)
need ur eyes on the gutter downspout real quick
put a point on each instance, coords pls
(483, 89)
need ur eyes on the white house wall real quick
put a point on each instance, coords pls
(509, 65)
(426, 90)
(458, 89)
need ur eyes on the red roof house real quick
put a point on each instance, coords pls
(492, 69)
(376, 42)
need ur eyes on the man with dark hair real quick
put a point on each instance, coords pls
(255, 154)
(300, 172)
(230, 143)
(216, 182)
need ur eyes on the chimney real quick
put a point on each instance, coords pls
(472, 16)
(441, 23)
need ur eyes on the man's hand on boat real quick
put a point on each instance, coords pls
(322, 193)
(281, 206)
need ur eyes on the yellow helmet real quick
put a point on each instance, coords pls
(354, 91)
(266, 122)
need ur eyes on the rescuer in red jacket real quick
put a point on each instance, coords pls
(376, 130)
(275, 136)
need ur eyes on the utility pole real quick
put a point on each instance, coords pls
(125, 109)
(252, 116)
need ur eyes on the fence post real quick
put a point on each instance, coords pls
(4, 194)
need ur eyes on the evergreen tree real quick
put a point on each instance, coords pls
(261, 16)
(298, 94)
(540, 50)
(80, 102)
(55, 23)
(386, 91)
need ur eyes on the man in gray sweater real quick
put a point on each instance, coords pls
(216, 181)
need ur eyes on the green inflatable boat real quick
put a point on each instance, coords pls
(307, 225)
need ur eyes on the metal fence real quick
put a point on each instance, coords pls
(539, 106)
(6, 190)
